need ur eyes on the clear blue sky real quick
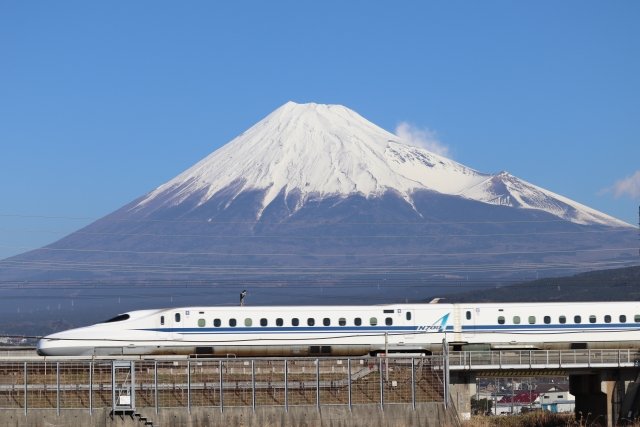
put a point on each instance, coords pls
(100, 102)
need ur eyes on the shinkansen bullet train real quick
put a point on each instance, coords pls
(353, 330)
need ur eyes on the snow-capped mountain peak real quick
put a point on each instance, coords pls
(320, 151)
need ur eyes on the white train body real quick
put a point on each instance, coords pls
(353, 330)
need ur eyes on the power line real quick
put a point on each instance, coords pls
(314, 237)
(213, 221)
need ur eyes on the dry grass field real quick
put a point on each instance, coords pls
(537, 419)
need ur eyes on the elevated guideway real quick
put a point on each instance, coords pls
(604, 382)
(528, 360)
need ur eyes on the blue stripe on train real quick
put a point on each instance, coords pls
(603, 327)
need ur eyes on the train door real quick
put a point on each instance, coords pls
(468, 321)
(406, 317)
(177, 323)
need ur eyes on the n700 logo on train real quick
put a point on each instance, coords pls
(437, 326)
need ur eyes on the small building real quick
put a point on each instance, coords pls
(555, 398)
(514, 404)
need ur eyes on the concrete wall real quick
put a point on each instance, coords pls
(425, 415)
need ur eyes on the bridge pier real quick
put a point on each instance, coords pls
(462, 387)
(599, 396)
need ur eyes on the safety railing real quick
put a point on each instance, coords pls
(223, 383)
(543, 359)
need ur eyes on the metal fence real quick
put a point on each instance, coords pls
(222, 383)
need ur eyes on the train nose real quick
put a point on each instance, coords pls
(41, 347)
(52, 345)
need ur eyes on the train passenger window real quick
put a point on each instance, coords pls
(373, 321)
(342, 321)
(202, 323)
(607, 319)
(388, 321)
(232, 323)
(162, 320)
(623, 318)
(532, 320)
(177, 317)
(592, 319)
(295, 321)
(636, 318)
(408, 315)
(357, 321)
(562, 319)
(217, 323)
(248, 321)
(516, 320)
(577, 319)
(263, 322)
(547, 319)
(326, 321)
(279, 321)
(500, 320)
(468, 315)
(311, 321)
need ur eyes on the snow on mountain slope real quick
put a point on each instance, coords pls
(507, 190)
(327, 150)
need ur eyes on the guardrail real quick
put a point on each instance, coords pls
(543, 359)
(221, 383)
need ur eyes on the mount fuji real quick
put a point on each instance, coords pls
(315, 202)
(311, 152)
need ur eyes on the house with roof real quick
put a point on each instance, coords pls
(555, 398)
(513, 404)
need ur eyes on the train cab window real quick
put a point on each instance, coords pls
(311, 321)
(500, 320)
(636, 318)
(248, 321)
(263, 322)
(295, 321)
(607, 319)
(233, 323)
(373, 321)
(326, 321)
(468, 315)
(532, 320)
(562, 319)
(516, 320)
(177, 317)
(623, 318)
(577, 319)
(279, 321)
(202, 323)
(342, 321)
(162, 320)
(408, 315)
(592, 319)
(217, 323)
(547, 320)
(357, 321)
(388, 321)
(118, 318)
